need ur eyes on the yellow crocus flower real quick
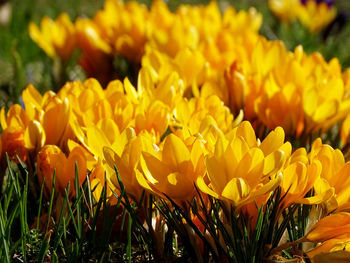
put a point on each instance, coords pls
(331, 232)
(51, 159)
(56, 38)
(316, 15)
(124, 26)
(241, 170)
(313, 14)
(299, 177)
(96, 59)
(334, 173)
(16, 116)
(172, 170)
(127, 162)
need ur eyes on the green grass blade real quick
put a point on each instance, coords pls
(51, 201)
(44, 246)
(77, 193)
(128, 247)
(4, 241)
(40, 205)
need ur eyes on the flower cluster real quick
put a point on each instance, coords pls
(178, 133)
(212, 54)
(313, 14)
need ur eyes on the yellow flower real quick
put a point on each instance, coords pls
(168, 89)
(98, 181)
(15, 117)
(316, 15)
(51, 159)
(289, 89)
(313, 14)
(335, 174)
(96, 59)
(12, 143)
(56, 38)
(127, 162)
(192, 112)
(34, 136)
(284, 9)
(172, 170)
(173, 36)
(124, 26)
(240, 170)
(262, 92)
(331, 232)
(299, 177)
(153, 119)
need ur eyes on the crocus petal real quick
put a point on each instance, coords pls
(236, 190)
(175, 151)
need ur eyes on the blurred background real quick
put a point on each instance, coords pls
(23, 62)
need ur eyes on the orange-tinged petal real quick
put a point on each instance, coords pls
(50, 159)
(55, 120)
(76, 157)
(144, 182)
(34, 136)
(336, 256)
(3, 118)
(330, 227)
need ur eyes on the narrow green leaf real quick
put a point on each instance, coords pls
(40, 206)
(51, 201)
(44, 246)
(4, 241)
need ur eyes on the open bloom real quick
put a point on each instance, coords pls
(334, 174)
(313, 14)
(331, 232)
(241, 170)
(173, 170)
(127, 161)
(300, 175)
(56, 38)
(96, 59)
(52, 160)
(124, 26)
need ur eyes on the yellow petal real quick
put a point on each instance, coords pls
(175, 151)
(31, 95)
(273, 141)
(273, 162)
(330, 227)
(204, 188)
(236, 190)
(34, 136)
(96, 139)
(246, 130)
(55, 120)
